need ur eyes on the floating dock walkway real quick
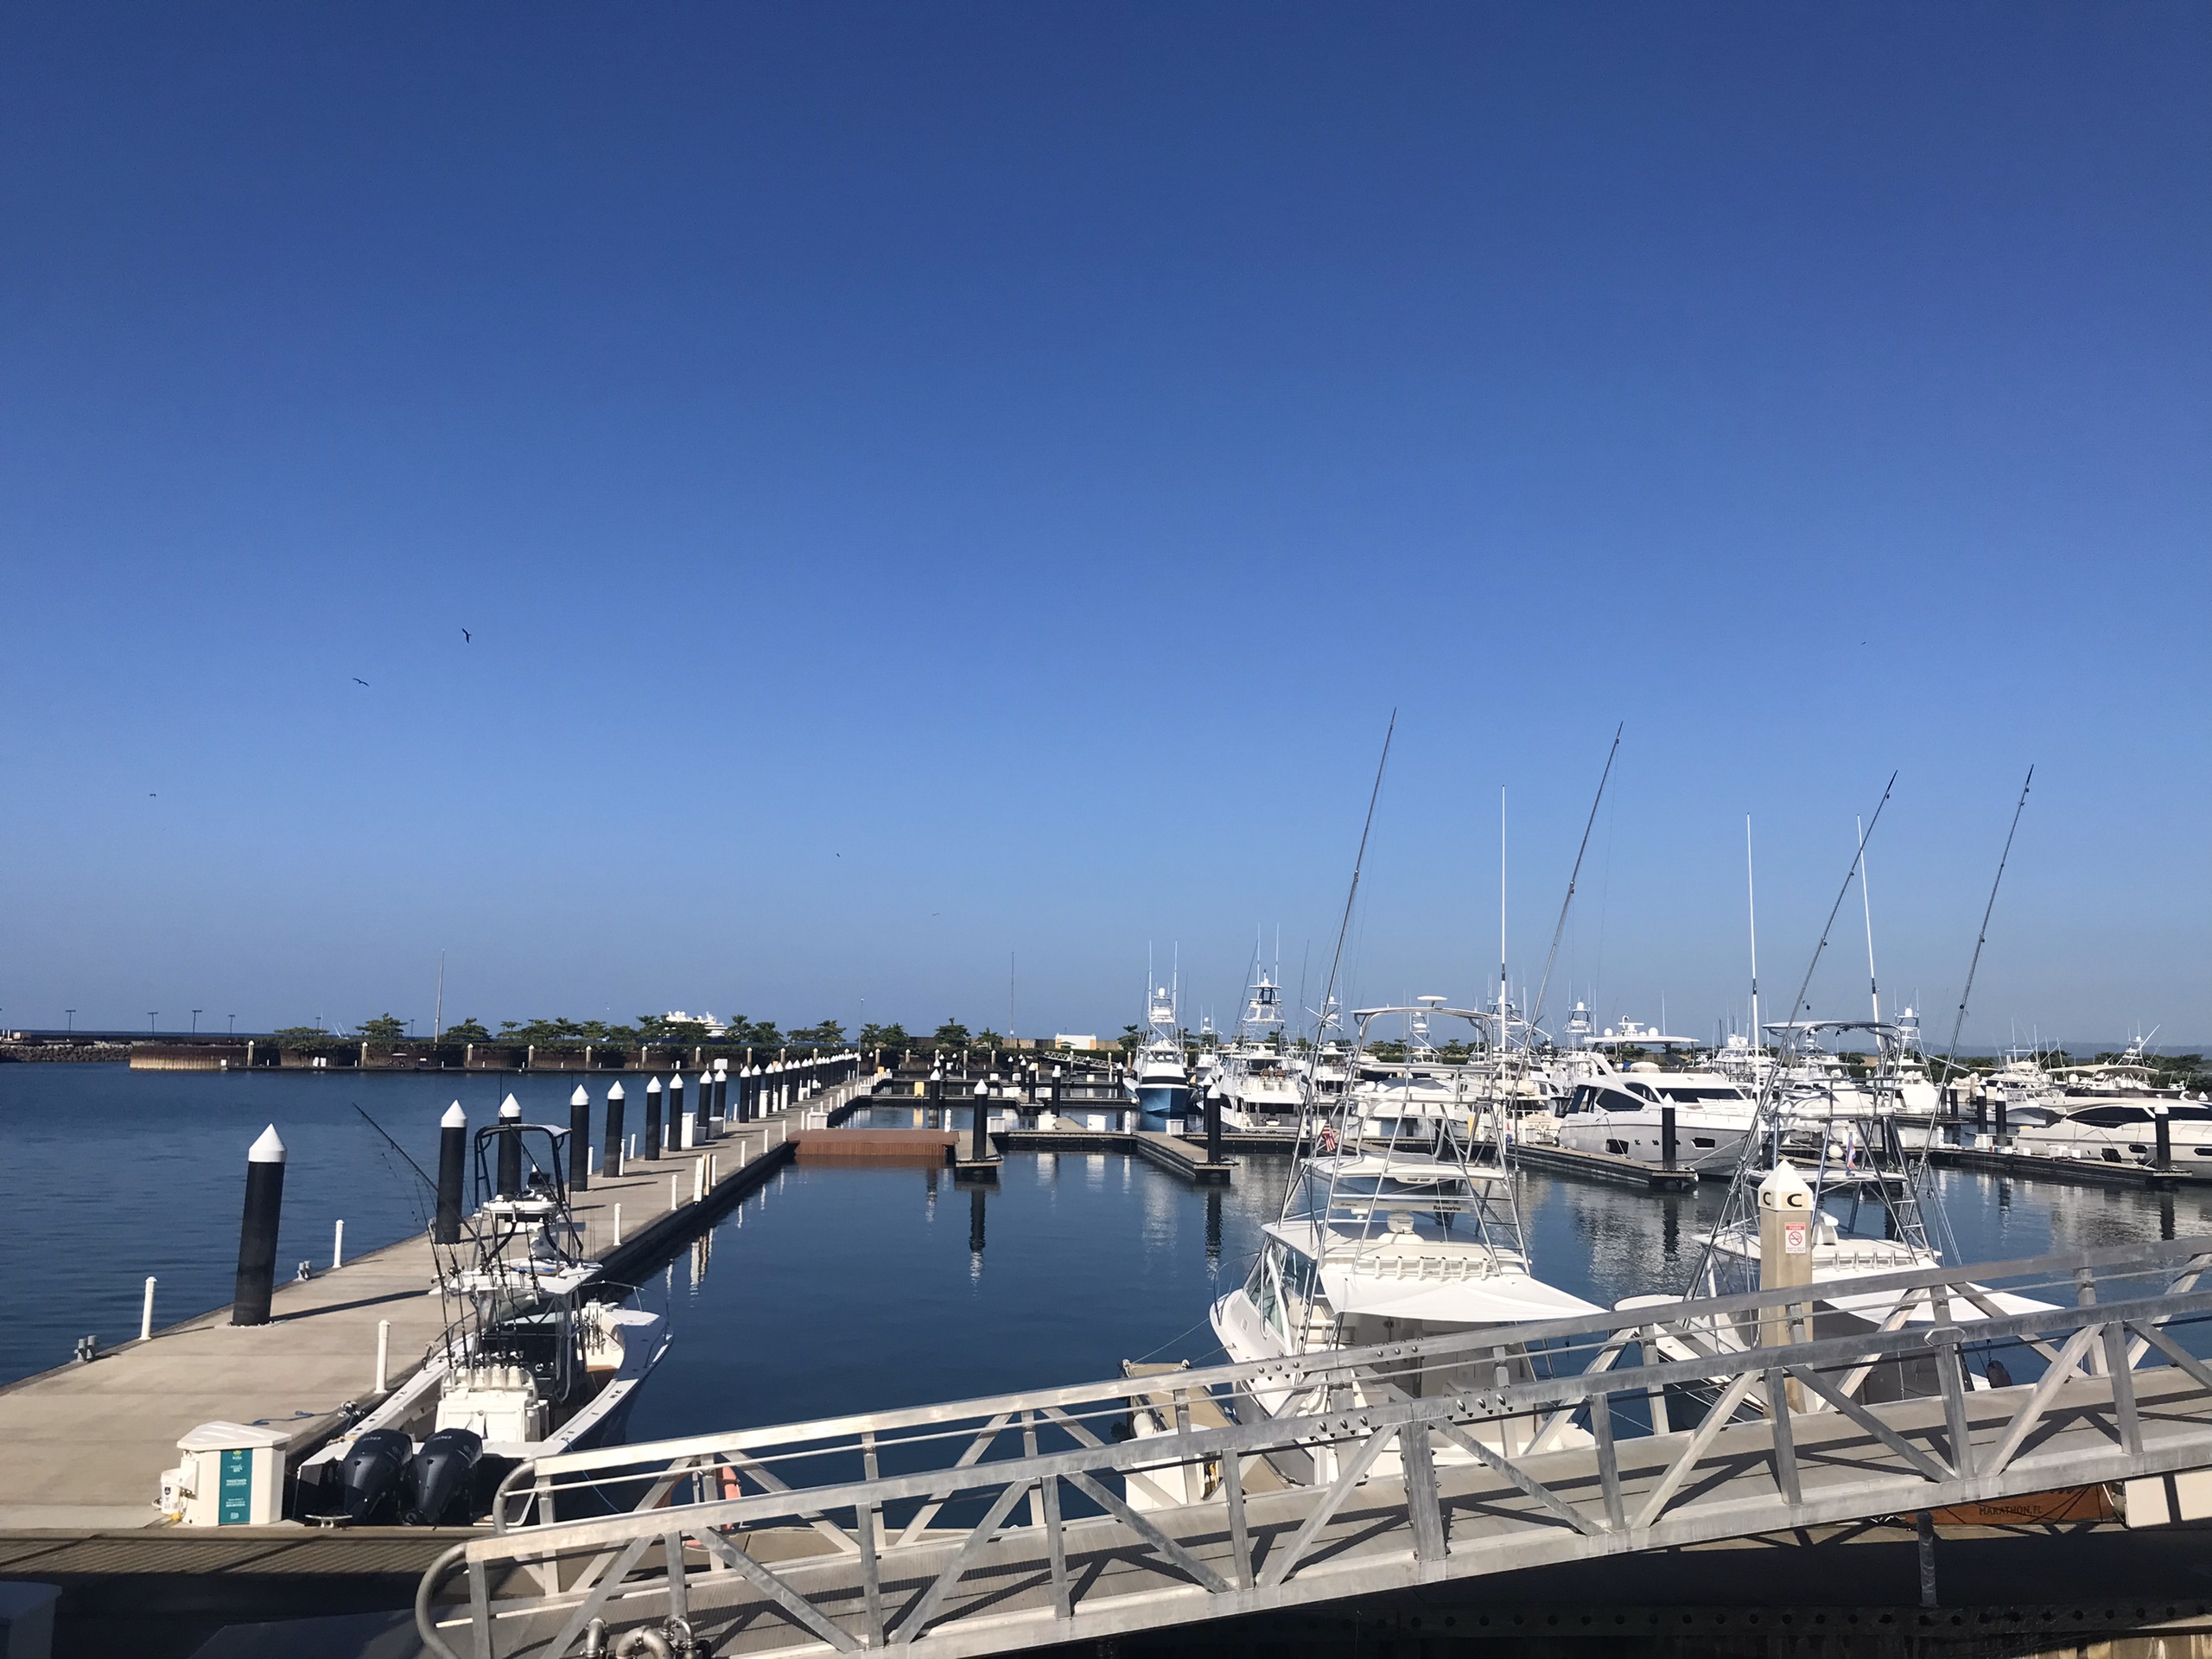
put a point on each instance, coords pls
(83, 1446)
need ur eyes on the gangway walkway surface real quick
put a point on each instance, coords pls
(990, 1526)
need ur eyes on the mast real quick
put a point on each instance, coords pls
(438, 1019)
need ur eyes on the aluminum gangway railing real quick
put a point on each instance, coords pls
(987, 1526)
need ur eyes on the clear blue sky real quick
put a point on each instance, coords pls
(934, 484)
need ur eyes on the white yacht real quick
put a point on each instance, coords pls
(539, 1356)
(1623, 1110)
(1253, 1076)
(1389, 1237)
(1157, 1082)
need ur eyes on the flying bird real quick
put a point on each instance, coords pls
(464, 636)
(358, 680)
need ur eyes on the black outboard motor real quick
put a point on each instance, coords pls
(368, 1481)
(437, 1489)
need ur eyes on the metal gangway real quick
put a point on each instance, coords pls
(988, 1526)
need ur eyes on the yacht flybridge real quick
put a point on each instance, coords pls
(1393, 1228)
(539, 1354)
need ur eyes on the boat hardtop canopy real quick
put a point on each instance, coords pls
(1414, 1172)
(1398, 1276)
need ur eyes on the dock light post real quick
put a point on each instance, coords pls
(675, 1136)
(649, 1148)
(979, 1145)
(610, 1159)
(265, 1203)
(580, 1139)
(453, 1172)
(510, 1147)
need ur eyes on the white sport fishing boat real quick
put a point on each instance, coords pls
(1254, 1078)
(540, 1355)
(1158, 1083)
(1392, 1237)
(1869, 1210)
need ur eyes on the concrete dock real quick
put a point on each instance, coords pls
(83, 1446)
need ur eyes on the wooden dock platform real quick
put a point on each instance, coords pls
(83, 1446)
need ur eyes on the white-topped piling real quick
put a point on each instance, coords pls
(509, 1163)
(611, 1161)
(580, 1139)
(453, 1174)
(264, 1204)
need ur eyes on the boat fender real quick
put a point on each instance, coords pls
(368, 1481)
(438, 1478)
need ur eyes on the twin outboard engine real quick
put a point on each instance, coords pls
(368, 1481)
(440, 1480)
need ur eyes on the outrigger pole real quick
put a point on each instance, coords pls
(1544, 984)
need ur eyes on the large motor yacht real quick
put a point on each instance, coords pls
(1624, 1108)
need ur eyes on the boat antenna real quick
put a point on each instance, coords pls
(1544, 984)
(1958, 1022)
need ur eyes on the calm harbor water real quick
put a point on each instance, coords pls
(835, 1288)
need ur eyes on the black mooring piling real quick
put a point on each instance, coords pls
(580, 1139)
(510, 1147)
(649, 1146)
(610, 1160)
(264, 1207)
(453, 1174)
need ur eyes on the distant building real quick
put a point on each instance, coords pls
(715, 1027)
(1065, 1041)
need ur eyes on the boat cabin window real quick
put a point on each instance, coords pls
(2112, 1117)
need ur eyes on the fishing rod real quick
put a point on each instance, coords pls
(1536, 1011)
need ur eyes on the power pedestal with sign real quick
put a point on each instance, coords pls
(230, 1475)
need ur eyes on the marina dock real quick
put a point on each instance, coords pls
(82, 1446)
